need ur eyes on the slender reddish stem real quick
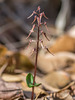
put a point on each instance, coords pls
(37, 49)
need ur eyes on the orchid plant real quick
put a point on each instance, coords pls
(30, 79)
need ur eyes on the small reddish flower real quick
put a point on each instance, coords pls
(46, 26)
(38, 9)
(31, 31)
(44, 34)
(35, 17)
(48, 50)
(44, 15)
(31, 14)
(38, 21)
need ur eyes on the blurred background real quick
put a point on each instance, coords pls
(14, 25)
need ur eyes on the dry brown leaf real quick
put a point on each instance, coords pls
(15, 60)
(73, 76)
(71, 68)
(8, 90)
(64, 95)
(18, 61)
(57, 79)
(63, 43)
(45, 85)
(11, 78)
(48, 63)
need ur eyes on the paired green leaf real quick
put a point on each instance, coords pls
(29, 80)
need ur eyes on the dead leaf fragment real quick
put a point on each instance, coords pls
(64, 95)
(18, 61)
(57, 79)
(11, 78)
(63, 43)
(8, 90)
(48, 63)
